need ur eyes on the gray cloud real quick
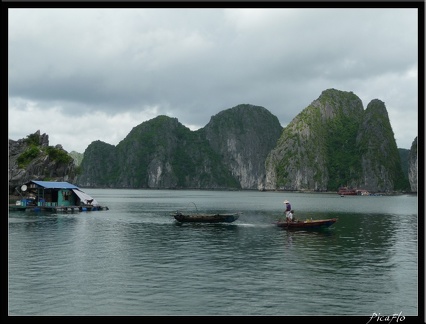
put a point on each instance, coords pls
(128, 65)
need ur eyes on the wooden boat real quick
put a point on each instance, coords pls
(206, 218)
(307, 224)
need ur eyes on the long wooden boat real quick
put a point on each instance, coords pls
(206, 218)
(307, 224)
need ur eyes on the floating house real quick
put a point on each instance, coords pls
(54, 196)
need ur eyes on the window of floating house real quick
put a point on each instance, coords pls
(66, 195)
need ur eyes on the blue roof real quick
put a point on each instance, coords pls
(55, 185)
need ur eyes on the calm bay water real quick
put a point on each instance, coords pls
(135, 259)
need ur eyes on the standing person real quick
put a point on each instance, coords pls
(287, 210)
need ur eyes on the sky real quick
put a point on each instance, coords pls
(85, 74)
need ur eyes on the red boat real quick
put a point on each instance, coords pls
(307, 224)
(345, 191)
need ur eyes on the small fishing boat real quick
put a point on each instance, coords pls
(205, 218)
(307, 224)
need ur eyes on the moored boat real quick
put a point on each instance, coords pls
(206, 218)
(345, 191)
(307, 224)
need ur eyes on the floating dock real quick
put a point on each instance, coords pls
(56, 209)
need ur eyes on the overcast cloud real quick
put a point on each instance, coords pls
(81, 75)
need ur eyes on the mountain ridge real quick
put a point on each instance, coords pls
(330, 143)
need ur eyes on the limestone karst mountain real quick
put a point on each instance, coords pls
(335, 142)
(330, 143)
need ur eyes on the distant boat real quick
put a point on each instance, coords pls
(54, 196)
(345, 191)
(307, 224)
(205, 218)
